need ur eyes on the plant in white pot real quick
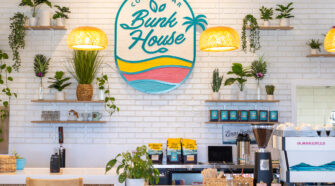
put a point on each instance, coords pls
(61, 14)
(258, 71)
(104, 94)
(134, 168)
(241, 74)
(59, 83)
(285, 14)
(216, 84)
(266, 15)
(35, 5)
(270, 89)
(315, 45)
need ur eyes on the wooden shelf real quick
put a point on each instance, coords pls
(65, 101)
(48, 122)
(242, 101)
(45, 27)
(240, 122)
(274, 28)
(321, 55)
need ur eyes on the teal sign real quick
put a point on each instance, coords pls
(155, 43)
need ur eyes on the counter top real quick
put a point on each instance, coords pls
(203, 166)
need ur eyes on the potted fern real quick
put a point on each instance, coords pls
(285, 14)
(61, 14)
(258, 71)
(35, 5)
(270, 89)
(59, 83)
(315, 45)
(41, 65)
(266, 15)
(241, 74)
(216, 84)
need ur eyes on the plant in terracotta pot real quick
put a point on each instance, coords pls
(134, 168)
(315, 45)
(84, 67)
(59, 83)
(266, 15)
(254, 38)
(104, 94)
(285, 14)
(270, 89)
(41, 66)
(258, 71)
(216, 84)
(241, 74)
(20, 161)
(61, 14)
(35, 5)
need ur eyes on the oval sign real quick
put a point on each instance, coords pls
(155, 43)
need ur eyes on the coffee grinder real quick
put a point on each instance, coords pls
(263, 165)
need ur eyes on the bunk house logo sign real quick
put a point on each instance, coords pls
(155, 43)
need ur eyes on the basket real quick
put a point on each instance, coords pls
(239, 180)
(7, 163)
(214, 182)
(84, 92)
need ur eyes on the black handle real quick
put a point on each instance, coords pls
(60, 135)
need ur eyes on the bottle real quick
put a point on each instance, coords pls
(54, 163)
(61, 148)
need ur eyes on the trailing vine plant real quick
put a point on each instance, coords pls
(16, 38)
(254, 39)
(103, 84)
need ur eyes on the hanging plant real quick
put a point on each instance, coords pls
(16, 38)
(254, 39)
(103, 84)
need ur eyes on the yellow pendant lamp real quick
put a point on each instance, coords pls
(219, 39)
(329, 42)
(87, 38)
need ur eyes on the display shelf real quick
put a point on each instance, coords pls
(45, 27)
(321, 55)
(55, 122)
(274, 28)
(65, 101)
(240, 122)
(242, 101)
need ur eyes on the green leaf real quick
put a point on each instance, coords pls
(3, 66)
(229, 81)
(10, 79)
(5, 103)
(9, 69)
(237, 68)
(110, 164)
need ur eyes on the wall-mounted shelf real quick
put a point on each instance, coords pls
(48, 122)
(242, 101)
(45, 27)
(239, 122)
(65, 101)
(274, 28)
(321, 55)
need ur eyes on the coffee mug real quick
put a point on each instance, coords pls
(85, 116)
(96, 116)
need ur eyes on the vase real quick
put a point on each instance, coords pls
(84, 92)
(60, 95)
(258, 91)
(285, 22)
(40, 93)
(314, 51)
(134, 182)
(45, 17)
(241, 95)
(269, 97)
(20, 164)
(60, 21)
(33, 21)
(266, 23)
(216, 96)
(101, 94)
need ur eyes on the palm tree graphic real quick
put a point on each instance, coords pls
(199, 20)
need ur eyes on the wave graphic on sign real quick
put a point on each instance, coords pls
(306, 167)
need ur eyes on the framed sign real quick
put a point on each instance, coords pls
(230, 133)
(155, 43)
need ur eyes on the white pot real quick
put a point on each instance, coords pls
(266, 23)
(134, 182)
(285, 22)
(45, 17)
(60, 21)
(242, 95)
(269, 97)
(60, 95)
(314, 51)
(33, 21)
(216, 96)
(101, 94)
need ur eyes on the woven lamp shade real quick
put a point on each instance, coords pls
(219, 39)
(87, 38)
(330, 41)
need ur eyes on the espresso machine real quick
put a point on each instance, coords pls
(263, 166)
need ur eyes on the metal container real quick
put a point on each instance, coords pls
(55, 163)
(243, 149)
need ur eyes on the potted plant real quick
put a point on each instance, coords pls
(270, 89)
(135, 168)
(285, 14)
(84, 67)
(104, 94)
(241, 74)
(59, 83)
(61, 14)
(258, 71)
(41, 65)
(254, 39)
(216, 84)
(35, 5)
(20, 161)
(16, 38)
(266, 15)
(315, 45)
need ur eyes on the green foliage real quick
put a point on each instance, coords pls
(59, 83)
(217, 81)
(266, 13)
(5, 78)
(241, 75)
(17, 156)
(84, 66)
(270, 89)
(254, 39)
(62, 12)
(41, 65)
(284, 11)
(35, 4)
(16, 37)
(135, 165)
(110, 106)
(259, 68)
(314, 44)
